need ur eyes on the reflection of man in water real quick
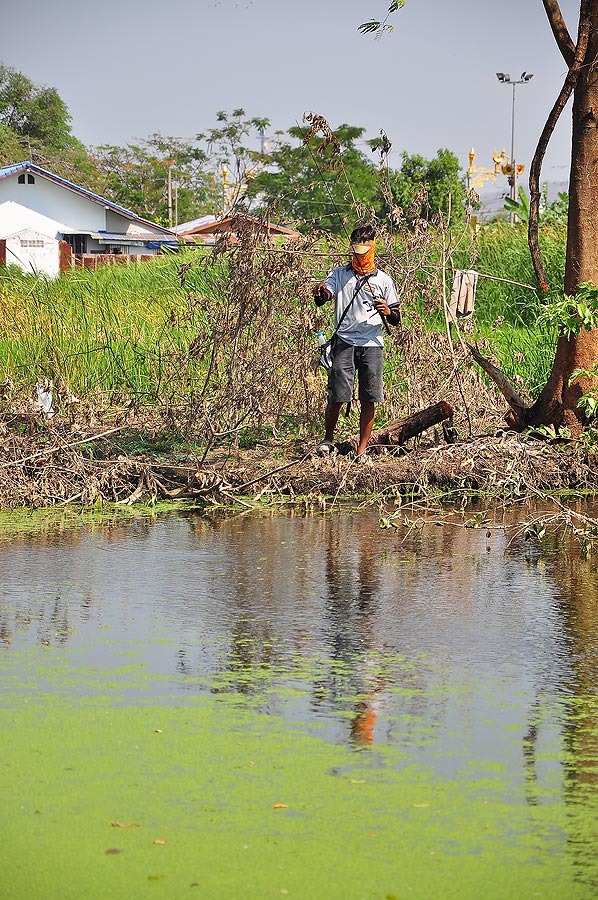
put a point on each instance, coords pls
(366, 712)
(353, 580)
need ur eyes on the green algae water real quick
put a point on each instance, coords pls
(274, 705)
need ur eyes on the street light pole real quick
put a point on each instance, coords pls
(513, 163)
(169, 163)
(506, 79)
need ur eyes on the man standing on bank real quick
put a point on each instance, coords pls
(362, 295)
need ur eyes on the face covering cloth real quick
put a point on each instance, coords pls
(363, 263)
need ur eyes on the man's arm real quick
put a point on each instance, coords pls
(390, 313)
(388, 306)
(394, 316)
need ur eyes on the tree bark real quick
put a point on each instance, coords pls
(560, 31)
(536, 166)
(557, 404)
(517, 417)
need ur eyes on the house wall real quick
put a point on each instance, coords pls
(115, 223)
(55, 201)
(77, 213)
(14, 218)
(33, 252)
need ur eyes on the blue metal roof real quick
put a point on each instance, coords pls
(143, 237)
(10, 170)
(7, 171)
(116, 236)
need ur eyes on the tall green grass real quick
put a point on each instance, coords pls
(96, 331)
(502, 251)
(215, 339)
(506, 314)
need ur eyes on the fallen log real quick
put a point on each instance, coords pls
(395, 433)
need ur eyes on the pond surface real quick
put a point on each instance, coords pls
(269, 705)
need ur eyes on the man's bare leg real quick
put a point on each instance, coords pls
(333, 411)
(366, 424)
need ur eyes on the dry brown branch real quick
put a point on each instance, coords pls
(54, 449)
(516, 403)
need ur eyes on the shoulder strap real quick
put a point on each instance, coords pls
(365, 279)
(360, 284)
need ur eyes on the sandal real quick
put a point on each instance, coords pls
(325, 447)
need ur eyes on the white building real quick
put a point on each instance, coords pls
(34, 199)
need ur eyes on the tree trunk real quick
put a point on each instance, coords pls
(557, 404)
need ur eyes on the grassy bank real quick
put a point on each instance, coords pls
(194, 378)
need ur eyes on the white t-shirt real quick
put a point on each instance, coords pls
(362, 326)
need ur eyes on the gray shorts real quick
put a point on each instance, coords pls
(367, 362)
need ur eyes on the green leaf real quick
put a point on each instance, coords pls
(379, 27)
(369, 27)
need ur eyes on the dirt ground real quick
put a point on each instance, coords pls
(46, 464)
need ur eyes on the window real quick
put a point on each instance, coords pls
(77, 241)
(22, 178)
(30, 178)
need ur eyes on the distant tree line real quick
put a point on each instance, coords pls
(234, 165)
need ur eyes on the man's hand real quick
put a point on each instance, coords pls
(322, 294)
(381, 306)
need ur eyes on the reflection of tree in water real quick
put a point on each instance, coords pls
(54, 619)
(577, 580)
(183, 666)
(266, 568)
(68, 530)
(5, 633)
(577, 601)
(250, 656)
(274, 598)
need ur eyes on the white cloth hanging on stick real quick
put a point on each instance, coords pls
(463, 291)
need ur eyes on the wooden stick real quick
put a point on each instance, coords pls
(58, 447)
(517, 404)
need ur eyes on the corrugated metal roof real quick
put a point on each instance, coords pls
(7, 171)
(117, 237)
(219, 225)
(194, 223)
(10, 170)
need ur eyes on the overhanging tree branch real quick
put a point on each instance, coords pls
(536, 166)
(560, 31)
(519, 408)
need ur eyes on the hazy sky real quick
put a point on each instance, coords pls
(126, 70)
